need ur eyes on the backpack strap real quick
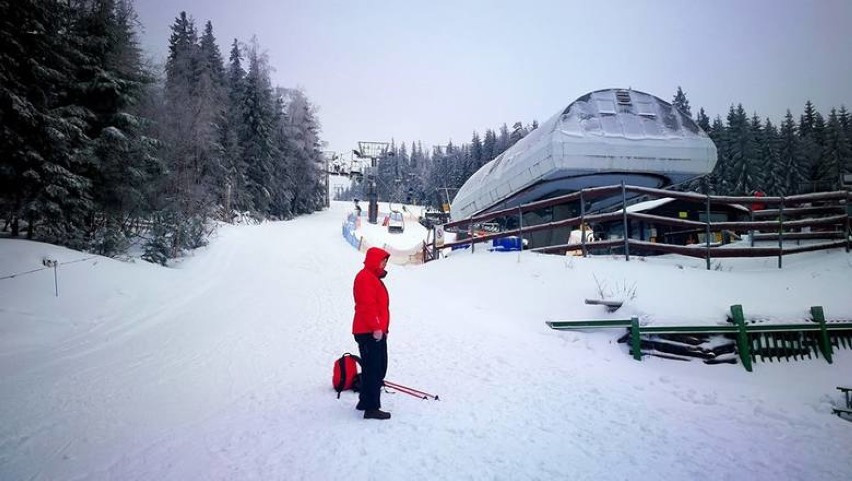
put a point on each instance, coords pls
(341, 363)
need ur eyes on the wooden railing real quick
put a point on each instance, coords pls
(786, 214)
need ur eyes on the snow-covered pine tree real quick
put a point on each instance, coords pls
(256, 130)
(718, 182)
(518, 133)
(476, 151)
(193, 103)
(236, 196)
(703, 120)
(440, 173)
(210, 101)
(807, 120)
(403, 192)
(42, 173)
(489, 146)
(418, 167)
(502, 140)
(123, 158)
(467, 166)
(770, 160)
(759, 162)
(178, 119)
(836, 153)
(744, 175)
(819, 162)
(283, 188)
(309, 189)
(681, 102)
(846, 126)
(792, 164)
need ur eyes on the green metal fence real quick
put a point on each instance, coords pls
(768, 342)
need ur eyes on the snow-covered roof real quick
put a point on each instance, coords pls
(648, 205)
(601, 138)
(653, 204)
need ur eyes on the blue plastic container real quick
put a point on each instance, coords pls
(511, 243)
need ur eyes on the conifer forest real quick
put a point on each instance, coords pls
(100, 149)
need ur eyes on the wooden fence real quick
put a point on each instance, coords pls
(824, 217)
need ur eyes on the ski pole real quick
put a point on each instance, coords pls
(393, 384)
(400, 387)
(404, 391)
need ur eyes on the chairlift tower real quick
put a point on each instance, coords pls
(372, 151)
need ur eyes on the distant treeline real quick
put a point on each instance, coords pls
(753, 155)
(99, 149)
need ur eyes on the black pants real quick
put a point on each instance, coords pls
(374, 365)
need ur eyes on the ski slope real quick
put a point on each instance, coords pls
(220, 367)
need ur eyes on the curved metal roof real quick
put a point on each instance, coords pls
(601, 136)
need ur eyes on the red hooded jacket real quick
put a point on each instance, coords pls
(371, 296)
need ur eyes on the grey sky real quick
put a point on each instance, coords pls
(437, 70)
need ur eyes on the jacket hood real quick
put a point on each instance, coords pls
(373, 258)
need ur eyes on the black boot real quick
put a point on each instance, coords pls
(376, 414)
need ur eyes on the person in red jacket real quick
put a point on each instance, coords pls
(370, 328)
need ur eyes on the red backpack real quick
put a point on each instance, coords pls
(346, 375)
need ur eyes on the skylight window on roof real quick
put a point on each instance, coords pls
(645, 109)
(605, 106)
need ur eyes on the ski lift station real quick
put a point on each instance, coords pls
(602, 138)
(347, 164)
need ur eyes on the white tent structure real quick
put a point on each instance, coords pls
(601, 138)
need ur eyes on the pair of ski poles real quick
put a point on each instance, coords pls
(410, 391)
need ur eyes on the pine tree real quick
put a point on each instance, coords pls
(703, 120)
(681, 102)
(284, 170)
(836, 153)
(518, 133)
(846, 127)
(476, 151)
(807, 120)
(122, 157)
(770, 160)
(235, 196)
(845, 124)
(792, 166)
(760, 163)
(744, 175)
(718, 182)
(489, 146)
(210, 100)
(42, 171)
(179, 120)
(256, 135)
(309, 190)
(502, 140)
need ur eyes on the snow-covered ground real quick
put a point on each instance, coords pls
(220, 368)
(411, 238)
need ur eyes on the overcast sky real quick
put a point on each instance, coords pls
(437, 70)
